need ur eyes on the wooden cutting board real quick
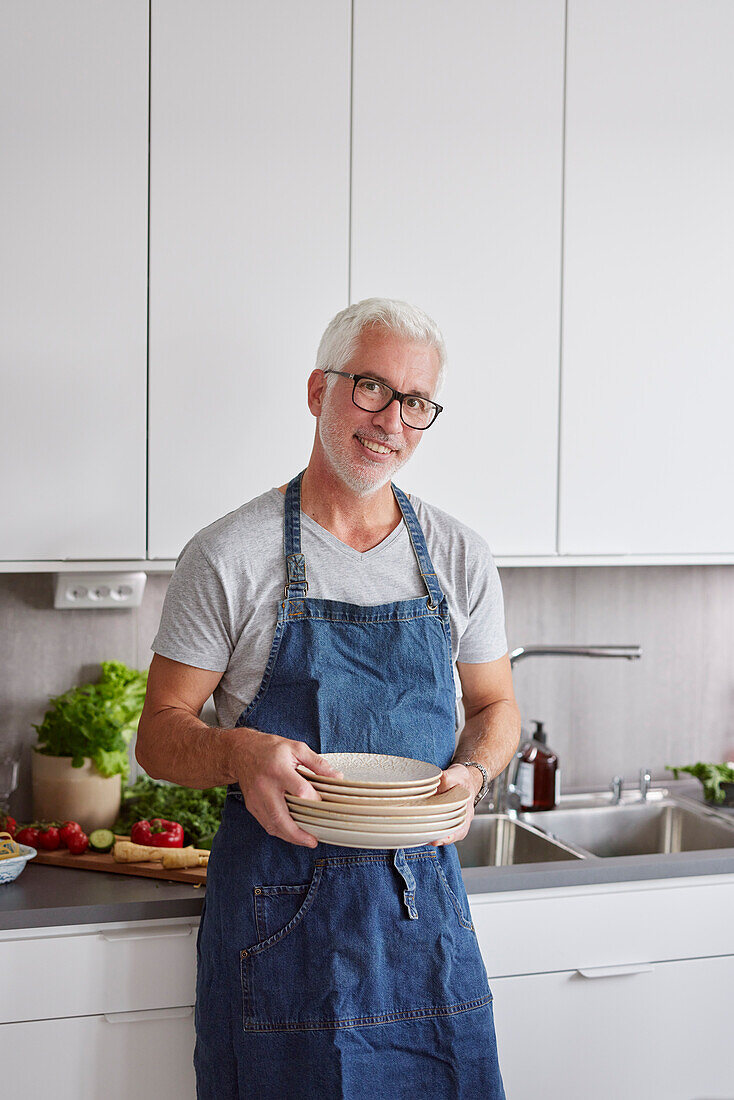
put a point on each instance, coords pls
(95, 861)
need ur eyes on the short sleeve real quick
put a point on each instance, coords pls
(195, 626)
(484, 638)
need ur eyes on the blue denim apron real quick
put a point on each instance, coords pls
(339, 972)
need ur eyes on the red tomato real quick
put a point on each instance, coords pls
(48, 838)
(78, 843)
(68, 830)
(27, 835)
(8, 824)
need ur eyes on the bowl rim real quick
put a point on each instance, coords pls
(27, 853)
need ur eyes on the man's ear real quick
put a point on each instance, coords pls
(316, 391)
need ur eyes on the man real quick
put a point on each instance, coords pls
(328, 615)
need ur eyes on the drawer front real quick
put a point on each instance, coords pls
(111, 970)
(536, 931)
(655, 1031)
(141, 1055)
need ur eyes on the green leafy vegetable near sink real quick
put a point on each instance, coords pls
(199, 812)
(711, 775)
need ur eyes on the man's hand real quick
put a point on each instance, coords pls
(459, 776)
(265, 768)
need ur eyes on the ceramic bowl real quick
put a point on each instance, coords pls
(11, 868)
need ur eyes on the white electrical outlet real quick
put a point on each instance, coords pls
(88, 590)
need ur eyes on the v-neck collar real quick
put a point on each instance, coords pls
(343, 547)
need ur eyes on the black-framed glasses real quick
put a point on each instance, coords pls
(371, 395)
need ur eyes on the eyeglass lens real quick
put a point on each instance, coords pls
(373, 396)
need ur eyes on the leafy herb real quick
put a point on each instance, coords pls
(96, 720)
(711, 775)
(198, 811)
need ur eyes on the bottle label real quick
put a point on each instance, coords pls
(525, 784)
(558, 785)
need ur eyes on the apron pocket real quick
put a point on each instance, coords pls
(276, 906)
(342, 950)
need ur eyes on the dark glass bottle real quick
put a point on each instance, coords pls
(538, 775)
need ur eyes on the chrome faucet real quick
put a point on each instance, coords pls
(503, 797)
(631, 652)
(645, 781)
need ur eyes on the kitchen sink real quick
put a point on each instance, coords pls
(497, 840)
(633, 829)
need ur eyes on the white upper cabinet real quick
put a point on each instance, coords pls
(249, 231)
(73, 239)
(456, 206)
(648, 315)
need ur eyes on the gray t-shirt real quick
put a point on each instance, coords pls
(221, 606)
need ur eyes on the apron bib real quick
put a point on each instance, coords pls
(340, 972)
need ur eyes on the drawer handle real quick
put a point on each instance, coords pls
(615, 971)
(148, 1014)
(147, 933)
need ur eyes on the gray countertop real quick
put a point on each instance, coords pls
(44, 897)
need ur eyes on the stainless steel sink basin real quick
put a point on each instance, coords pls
(496, 840)
(636, 829)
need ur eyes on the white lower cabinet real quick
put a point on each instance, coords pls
(116, 1056)
(655, 1032)
(612, 992)
(99, 1011)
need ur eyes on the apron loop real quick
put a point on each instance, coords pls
(401, 865)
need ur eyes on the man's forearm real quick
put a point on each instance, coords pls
(176, 746)
(491, 737)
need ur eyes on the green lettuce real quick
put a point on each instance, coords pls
(96, 720)
(711, 775)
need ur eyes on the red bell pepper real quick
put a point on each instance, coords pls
(157, 833)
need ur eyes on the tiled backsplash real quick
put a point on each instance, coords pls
(603, 717)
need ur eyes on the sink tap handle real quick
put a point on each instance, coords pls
(645, 781)
(616, 789)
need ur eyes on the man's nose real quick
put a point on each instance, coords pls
(389, 419)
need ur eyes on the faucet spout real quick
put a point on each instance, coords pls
(629, 652)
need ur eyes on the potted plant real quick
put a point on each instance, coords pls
(82, 751)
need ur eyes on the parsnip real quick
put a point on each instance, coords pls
(184, 857)
(127, 852)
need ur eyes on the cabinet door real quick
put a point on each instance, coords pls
(118, 1056)
(73, 227)
(648, 325)
(249, 223)
(456, 206)
(658, 1031)
(141, 966)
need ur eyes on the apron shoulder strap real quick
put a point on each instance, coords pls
(297, 585)
(420, 549)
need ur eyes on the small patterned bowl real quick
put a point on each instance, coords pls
(11, 868)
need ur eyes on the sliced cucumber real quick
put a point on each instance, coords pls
(101, 840)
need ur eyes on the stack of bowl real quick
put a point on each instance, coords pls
(381, 802)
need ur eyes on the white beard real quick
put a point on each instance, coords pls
(362, 478)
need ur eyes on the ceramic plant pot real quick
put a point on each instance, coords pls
(64, 793)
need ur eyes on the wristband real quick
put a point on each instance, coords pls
(485, 778)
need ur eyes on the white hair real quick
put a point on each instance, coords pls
(342, 334)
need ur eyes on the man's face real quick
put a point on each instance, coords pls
(349, 435)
